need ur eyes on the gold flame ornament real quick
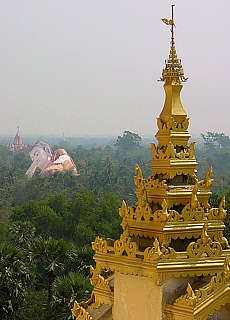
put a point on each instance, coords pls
(168, 22)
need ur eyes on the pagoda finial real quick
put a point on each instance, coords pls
(171, 23)
(173, 70)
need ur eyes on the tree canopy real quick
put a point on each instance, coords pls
(128, 142)
(213, 140)
(37, 215)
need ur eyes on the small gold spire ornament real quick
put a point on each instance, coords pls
(173, 70)
(168, 22)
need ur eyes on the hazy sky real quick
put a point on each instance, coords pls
(90, 67)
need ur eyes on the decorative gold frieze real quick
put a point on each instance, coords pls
(164, 260)
(174, 216)
(156, 252)
(123, 210)
(172, 125)
(166, 224)
(170, 168)
(192, 211)
(203, 302)
(155, 184)
(169, 151)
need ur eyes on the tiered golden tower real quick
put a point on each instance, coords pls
(171, 261)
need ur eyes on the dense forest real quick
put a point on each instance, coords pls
(47, 224)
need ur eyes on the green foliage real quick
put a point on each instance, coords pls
(14, 277)
(52, 255)
(128, 142)
(40, 214)
(213, 140)
(36, 214)
(39, 188)
(65, 290)
(78, 220)
(219, 160)
(34, 306)
(22, 234)
(92, 217)
(4, 231)
(101, 170)
(63, 206)
(108, 219)
(84, 259)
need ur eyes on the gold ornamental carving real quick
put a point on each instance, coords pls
(172, 125)
(204, 246)
(161, 215)
(98, 280)
(219, 213)
(169, 152)
(139, 177)
(193, 210)
(156, 184)
(207, 182)
(153, 253)
(125, 246)
(99, 245)
(102, 292)
(80, 313)
(204, 301)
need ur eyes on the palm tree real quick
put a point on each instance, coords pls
(52, 254)
(14, 277)
(65, 290)
(84, 259)
(22, 234)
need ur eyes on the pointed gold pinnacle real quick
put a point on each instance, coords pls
(173, 71)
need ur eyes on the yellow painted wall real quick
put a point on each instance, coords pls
(136, 298)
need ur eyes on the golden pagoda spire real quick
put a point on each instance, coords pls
(173, 121)
(173, 71)
(173, 157)
(171, 231)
